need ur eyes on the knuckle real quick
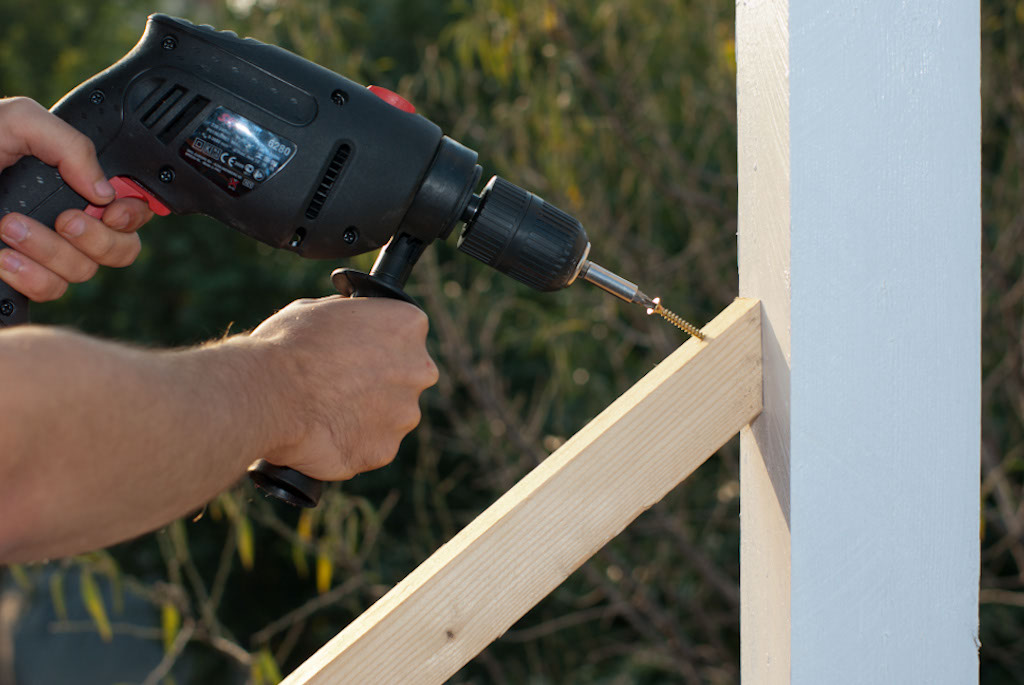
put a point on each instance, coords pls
(45, 287)
(122, 251)
(102, 245)
(117, 217)
(418, 322)
(385, 454)
(23, 107)
(412, 419)
(66, 216)
(57, 287)
(131, 251)
(408, 319)
(426, 374)
(82, 271)
(139, 215)
(42, 245)
(296, 306)
(127, 215)
(82, 145)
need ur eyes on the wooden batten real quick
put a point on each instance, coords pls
(480, 583)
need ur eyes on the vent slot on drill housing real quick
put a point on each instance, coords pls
(327, 182)
(184, 117)
(162, 105)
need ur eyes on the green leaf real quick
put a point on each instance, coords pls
(268, 665)
(21, 577)
(324, 570)
(299, 559)
(57, 595)
(93, 600)
(244, 542)
(179, 538)
(108, 566)
(170, 623)
(228, 504)
(215, 508)
(304, 528)
(256, 673)
(352, 533)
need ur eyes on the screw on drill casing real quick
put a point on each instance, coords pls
(674, 319)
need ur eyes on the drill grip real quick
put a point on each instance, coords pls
(34, 189)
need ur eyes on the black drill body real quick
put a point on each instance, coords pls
(295, 156)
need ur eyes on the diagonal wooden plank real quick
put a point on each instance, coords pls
(522, 547)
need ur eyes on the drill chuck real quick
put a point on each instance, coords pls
(524, 237)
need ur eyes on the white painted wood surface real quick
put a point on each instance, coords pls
(524, 545)
(859, 158)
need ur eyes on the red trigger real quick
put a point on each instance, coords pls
(125, 187)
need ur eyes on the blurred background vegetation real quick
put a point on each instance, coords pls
(623, 113)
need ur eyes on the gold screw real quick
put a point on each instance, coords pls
(674, 319)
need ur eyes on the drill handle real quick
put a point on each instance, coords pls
(386, 278)
(34, 189)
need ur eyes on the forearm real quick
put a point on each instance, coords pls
(102, 442)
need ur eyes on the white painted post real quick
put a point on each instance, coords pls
(859, 222)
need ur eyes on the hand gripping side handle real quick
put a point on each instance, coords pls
(386, 278)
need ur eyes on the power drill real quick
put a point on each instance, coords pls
(195, 120)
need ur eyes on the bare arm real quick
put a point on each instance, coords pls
(100, 442)
(102, 439)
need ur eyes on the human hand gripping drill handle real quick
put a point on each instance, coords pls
(194, 120)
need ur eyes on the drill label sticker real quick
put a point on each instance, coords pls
(235, 153)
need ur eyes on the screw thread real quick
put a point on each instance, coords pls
(675, 319)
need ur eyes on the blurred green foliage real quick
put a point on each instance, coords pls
(1002, 560)
(623, 113)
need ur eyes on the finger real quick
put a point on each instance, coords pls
(29, 129)
(29, 278)
(127, 215)
(96, 240)
(45, 248)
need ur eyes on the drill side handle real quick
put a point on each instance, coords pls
(385, 279)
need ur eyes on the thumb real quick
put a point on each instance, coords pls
(29, 129)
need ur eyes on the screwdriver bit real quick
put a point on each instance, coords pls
(630, 292)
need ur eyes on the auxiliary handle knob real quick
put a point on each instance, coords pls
(286, 484)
